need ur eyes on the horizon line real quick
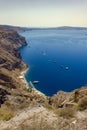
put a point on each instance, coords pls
(43, 26)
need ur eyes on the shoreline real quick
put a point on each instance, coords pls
(22, 76)
(36, 90)
(30, 84)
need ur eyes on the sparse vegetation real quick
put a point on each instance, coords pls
(82, 105)
(66, 112)
(40, 124)
(6, 114)
(6, 129)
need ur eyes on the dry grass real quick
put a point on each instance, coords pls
(6, 114)
(37, 124)
(6, 129)
(65, 112)
(82, 105)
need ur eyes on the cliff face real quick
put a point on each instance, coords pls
(10, 58)
(14, 95)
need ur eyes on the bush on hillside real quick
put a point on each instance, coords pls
(82, 105)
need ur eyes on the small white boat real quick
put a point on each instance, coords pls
(66, 68)
(35, 82)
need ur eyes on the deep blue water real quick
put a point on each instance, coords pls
(49, 52)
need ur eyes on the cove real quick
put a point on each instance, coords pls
(56, 58)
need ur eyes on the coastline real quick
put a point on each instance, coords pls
(30, 84)
(22, 75)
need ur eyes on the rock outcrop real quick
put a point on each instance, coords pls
(3, 94)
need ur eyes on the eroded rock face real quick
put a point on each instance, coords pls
(3, 94)
(10, 58)
(8, 81)
(10, 41)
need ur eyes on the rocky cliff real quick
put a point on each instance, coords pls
(13, 89)
(10, 58)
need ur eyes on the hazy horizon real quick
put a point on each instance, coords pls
(47, 13)
(42, 26)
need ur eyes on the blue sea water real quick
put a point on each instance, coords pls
(56, 58)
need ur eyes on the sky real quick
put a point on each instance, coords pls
(43, 13)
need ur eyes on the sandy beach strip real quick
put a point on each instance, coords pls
(30, 84)
(22, 77)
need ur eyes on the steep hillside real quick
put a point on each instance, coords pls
(14, 91)
(10, 58)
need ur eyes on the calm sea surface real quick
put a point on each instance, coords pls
(56, 58)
